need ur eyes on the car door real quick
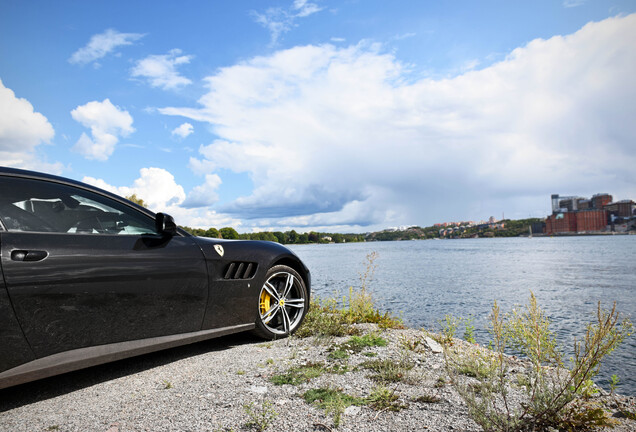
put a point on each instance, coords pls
(83, 269)
(15, 349)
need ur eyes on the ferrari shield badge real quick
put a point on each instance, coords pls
(219, 249)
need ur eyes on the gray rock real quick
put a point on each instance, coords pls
(433, 346)
(258, 389)
(352, 410)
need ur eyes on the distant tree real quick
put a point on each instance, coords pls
(280, 237)
(211, 232)
(229, 233)
(136, 200)
(269, 236)
(259, 236)
(186, 228)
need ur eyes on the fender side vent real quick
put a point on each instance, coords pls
(240, 270)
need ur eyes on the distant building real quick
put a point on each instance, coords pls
(585, 204)
(555, 203)
(538, 228)
(600, 200)
(560, 222)
(621, 209)
(574, 214)
(570, 203)
(591, 220)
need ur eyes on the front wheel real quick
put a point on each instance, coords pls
(282, 303)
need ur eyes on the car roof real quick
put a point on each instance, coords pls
(16, 172)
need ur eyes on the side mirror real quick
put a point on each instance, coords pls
(165, 224)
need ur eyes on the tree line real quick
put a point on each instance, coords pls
(513, 228)
(287, 237)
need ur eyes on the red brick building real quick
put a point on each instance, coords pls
(579, 215)
(572, 222)
(600, 200)
(560, 222)
(622, 209)
(591, 220)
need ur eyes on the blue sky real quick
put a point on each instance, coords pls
(345, 116)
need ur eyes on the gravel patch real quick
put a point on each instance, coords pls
(206, 386)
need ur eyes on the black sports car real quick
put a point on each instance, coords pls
(87, 277)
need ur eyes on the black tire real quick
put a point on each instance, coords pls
(282, 303)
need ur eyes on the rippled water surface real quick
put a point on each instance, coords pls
(424, 280)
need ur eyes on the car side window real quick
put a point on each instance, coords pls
(40, 206)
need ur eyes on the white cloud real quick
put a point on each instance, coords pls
(183, 130)
(102, 44)
(161, 193)
(281, 20)
(349, 137)
(156, 186)
(204, 218)
(404, 36)
(22, 130)
(161, 70)
(201, 166)
(573, 3)
(205, 194)
(304, 8)
(107, 123)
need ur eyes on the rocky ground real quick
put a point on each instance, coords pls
(235, 383)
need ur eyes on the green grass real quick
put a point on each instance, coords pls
(389, 371)
(426, 398)
(299, 375)
(335, 317)
(338, 354)
(259, 417)
(383, 399)
(333, 401)
(356, 344)
(323, 319)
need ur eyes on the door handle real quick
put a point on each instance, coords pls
(24, 255)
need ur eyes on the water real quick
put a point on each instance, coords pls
(422, 281)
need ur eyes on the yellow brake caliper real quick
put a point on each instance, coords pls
(265, 302)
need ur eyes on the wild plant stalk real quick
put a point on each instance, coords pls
(551, 389)
(449, 326)
(259, 417)
(330, 317)
(360, 302)
(367, 276)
